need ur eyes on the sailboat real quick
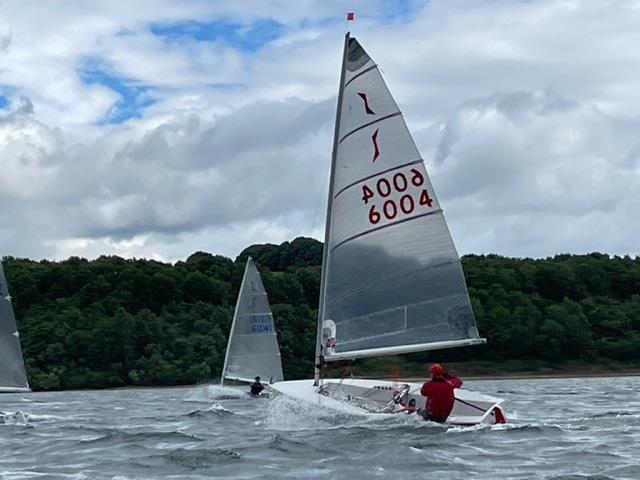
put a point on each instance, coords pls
(392, 281)
(252, 350)
(13, 376)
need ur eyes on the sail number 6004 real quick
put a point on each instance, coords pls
(406, 205)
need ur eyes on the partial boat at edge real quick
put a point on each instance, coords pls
(13, 376)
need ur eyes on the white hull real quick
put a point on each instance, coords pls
(471, 408)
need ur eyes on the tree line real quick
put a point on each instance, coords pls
(113, 322)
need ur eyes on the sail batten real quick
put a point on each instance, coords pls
(381, 227)
(392, 279)
(391, 169)
(252, 349)
(386, 117)
(366, 70)
(360, 288)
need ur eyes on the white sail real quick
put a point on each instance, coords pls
(252, 349)
(13, 376)
(392, 281)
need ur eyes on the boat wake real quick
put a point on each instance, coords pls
(285, 413)
(216, 392)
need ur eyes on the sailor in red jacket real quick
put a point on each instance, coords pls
(439, 393)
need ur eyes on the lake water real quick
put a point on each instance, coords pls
(570, 429)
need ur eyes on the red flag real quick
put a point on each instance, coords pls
(351, 16)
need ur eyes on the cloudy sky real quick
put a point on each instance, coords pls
(156, 128)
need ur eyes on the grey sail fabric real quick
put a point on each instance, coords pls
(393, 279)
(252, 349)
(13, 376)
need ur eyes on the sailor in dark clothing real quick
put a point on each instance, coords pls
(256, 387)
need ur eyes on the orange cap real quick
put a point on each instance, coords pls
(436, 369)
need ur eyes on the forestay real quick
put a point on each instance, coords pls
(252, 349)
(393, 281)
(13, 377)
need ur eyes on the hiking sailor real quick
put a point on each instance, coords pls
(439, 393)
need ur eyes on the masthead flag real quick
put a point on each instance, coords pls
(351, 16)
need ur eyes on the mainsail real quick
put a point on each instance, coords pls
(253, 345)
(13, 377)
(392, 281)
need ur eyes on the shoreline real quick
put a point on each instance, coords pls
(530, 375)
(414, 379)
(534, 375)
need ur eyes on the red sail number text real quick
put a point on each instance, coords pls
(389, 208)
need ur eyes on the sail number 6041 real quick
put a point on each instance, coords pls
(390, 208)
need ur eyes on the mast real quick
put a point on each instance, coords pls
(325, 250)
(233, 322)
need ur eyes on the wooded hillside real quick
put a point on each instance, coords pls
(115, 322)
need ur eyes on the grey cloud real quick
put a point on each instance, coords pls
(260, 127)
(190, 174)
(632, 160)
(5, 41)
(536, 172)
(517, 107)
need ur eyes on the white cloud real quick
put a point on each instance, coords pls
(541, 173)
(526, 113)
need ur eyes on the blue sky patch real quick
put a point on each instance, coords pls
(5, 94)
(134, 97)
(246, 38)
(226, 87)
(398, 10)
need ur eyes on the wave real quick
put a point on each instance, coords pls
(113, 435)
(201, 457)
(615, 414)
(286, 445)
(214, 410)
(36, 417)
(580, 477)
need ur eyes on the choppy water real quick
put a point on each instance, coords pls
(570, 429)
